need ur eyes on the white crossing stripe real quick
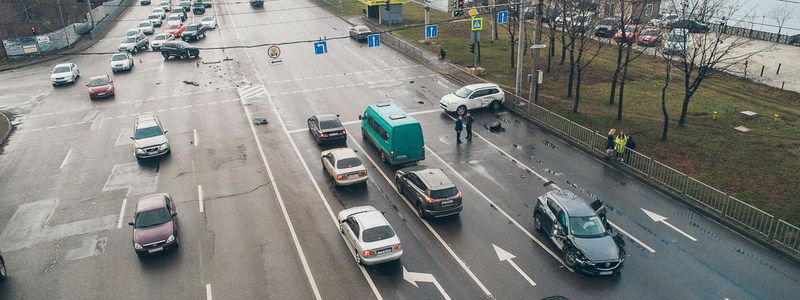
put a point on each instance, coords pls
(248, 92)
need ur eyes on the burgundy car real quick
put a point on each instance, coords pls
(631, 33)
(100, 87)
(155, 225)
(650, 37)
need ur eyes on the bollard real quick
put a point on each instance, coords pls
(779, 69)
(762, 71)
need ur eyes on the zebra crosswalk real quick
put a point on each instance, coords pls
(251, 91)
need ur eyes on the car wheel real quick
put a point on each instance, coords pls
(571, 257)
(384, 157)
(358, 259)
(461, 110)
(113, 71)
(184, 56)
(537, 222)
(135, 49)
(495, 105)
(420, 211)
(165, 55)
(363, 134)
(3, 272)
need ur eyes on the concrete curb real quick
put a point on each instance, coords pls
(5, 136)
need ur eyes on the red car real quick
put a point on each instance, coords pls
(155, 225)
(100, 87)
(650, 37)
(175, 29)
(631, 33)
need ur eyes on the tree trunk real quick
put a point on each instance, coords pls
(513, 48)
(578, 80)
(684, 110)
(665, 129)
(622, 82)
(571, 79)
(615, 77)
(563, 47)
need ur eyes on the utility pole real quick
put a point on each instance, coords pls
(61, 16)
(89, 9)
(520, 45)
(427, 20)
(537, 40)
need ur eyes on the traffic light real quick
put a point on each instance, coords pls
(472, 48)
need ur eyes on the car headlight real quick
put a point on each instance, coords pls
(137, 246)
(163, 146)
(139, 151)
(171, 238)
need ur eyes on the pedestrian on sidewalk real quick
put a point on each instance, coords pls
(459, 127)
(621, 141)
(610, 143)
(442, 54)
(468, 120)
(629, 147)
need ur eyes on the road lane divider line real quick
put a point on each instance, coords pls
(208, 292)
(200, 197)
(66, 158)
(632, 237)
(122, 213)
(436, 235)
(498, 208)
(196, 138)
(547, 180)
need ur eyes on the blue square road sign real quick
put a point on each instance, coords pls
(431, 31)
(373, 40)
(320, 47)
(502, 17)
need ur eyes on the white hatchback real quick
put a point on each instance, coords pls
(344, 166)
(122, 61)
(473, 97)
(64, 73)
(369, 233)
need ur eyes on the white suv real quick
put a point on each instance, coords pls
(472, 97)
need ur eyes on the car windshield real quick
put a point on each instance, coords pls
(160, 37)
(347, 163)
(118, 57)
(174, 17)
(676, 38)
(153, 17)
(61, 69)
(327, 124)
(445, 193)
(463, 92)
(651, 32)
(158, 10)
(587, 227)
(375, 234)
(173, 26)
(132, 32)
(144, 24)
(98, 81)
(152, 218)
(192, 27)
(147, 132)
(129, 40)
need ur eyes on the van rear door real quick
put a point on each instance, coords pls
(407, 142)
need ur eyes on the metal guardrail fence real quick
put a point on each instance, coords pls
(764, 225)
(752, 33)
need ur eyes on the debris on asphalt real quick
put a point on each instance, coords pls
(260, 121)
(548, 183)
(411, 82)
(495, 127)
(158, 83)
(420, 102)
(191, 82)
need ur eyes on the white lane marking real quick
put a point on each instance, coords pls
(324, 201)
(200, 196)
(497, 207)
(546, 180)
(208, 292)
(66, 158)
(196, 138)
(295, 240)
(504, 255)
(298, 130)
(427, 225)
(122, 213)
(425, 112)
(632, 237)
(414, 277)
(659, 218)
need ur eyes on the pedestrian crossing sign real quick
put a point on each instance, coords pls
(477, 24)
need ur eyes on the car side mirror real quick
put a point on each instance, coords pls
(130, 223)
(131, 137)
(360, 117)
(165, 131)
(112, 81)
(174, 214)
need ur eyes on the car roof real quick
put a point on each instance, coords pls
(326, 117)
(342, 153)
(393, 114)
(434, 178)
(574, 205)
(146, 120)
(151, 202)
(370, 219)
(63, 65)
(480, 86)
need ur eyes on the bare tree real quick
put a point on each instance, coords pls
(705, 55)
(664, 112)
(781, 13)
(513, 35)
(581, 43)
(550, 12)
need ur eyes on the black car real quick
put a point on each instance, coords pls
(194, 32)
(429, 190)
(794, 40)
(179, 49)
(256, 3)
(181, 10)
(360, 33)
(691, 25)
(3, 271)
(607, 27)
(326, 128)
(580, 231)
(198, 8)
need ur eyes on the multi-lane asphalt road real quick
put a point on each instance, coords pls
(257, 213)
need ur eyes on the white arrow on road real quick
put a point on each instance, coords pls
(505, 255)
(413, 278)
(659, 218)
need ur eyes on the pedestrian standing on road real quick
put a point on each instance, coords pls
(442, 54)
(629, 147)
(610, 143)
(468, 120)
(621, 141)
(459, 127)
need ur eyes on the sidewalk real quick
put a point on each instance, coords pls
(787, 56)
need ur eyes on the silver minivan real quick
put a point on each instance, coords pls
(149, 137)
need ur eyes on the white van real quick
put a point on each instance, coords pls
(678, 42)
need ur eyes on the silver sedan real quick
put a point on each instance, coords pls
(344, 166)
(370, 235)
